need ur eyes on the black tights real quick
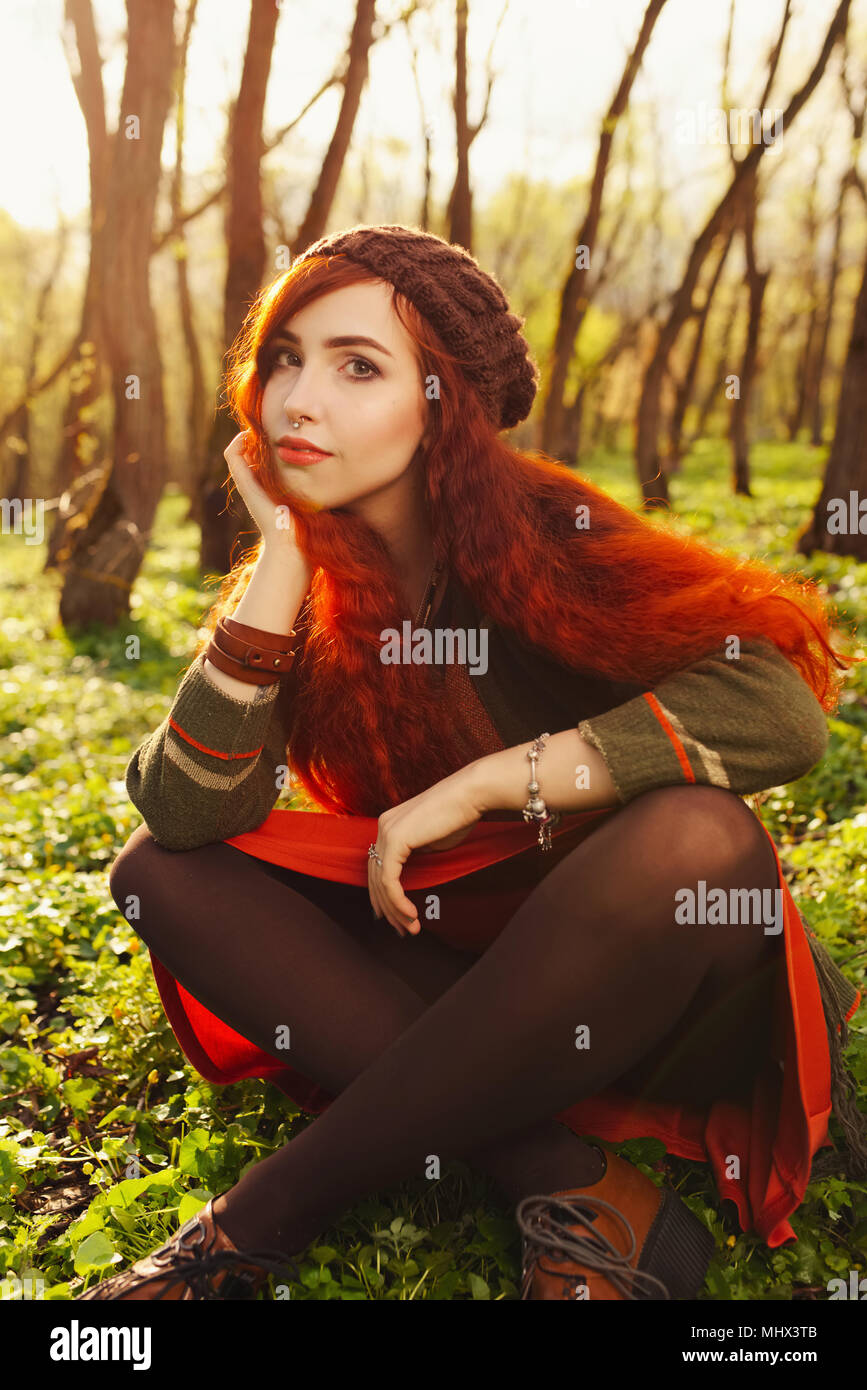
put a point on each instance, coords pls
(433, 1051)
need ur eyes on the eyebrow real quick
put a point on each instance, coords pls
(348, 340)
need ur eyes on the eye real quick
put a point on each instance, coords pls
(273, 360)
(274, 357)
(373, 371)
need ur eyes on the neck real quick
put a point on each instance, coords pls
(401, 518)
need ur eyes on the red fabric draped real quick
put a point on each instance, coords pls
(775, 1139)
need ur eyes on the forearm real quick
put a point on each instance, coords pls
(271, 601)
(572, 776)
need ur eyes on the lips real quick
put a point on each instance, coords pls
(301, 444)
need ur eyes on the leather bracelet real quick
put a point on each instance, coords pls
(250, 654)
(231, 667)
(268, 641)
(253, 653)
(261, 662)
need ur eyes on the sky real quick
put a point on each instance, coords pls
(558, 63)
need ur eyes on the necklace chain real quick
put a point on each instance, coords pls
(428, 595)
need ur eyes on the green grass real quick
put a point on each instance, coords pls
(109, 1138)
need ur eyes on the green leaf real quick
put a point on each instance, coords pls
(95, 1252)
(192, 1202)
(323, 1253)
(125, 1220)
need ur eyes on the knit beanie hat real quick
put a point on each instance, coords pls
(464, 304)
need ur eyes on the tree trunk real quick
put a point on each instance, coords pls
(572, 419)
(757, 282)
(460, 210)
(18, 478)
(805, 373)
(651, 476)
(224, 519)
(106, 553)
(199, 411)
(827, 319)
(845, 481)
(573, 299)
(89, 370)
(806, 400)
(313, 225)
(717, 372)
(687, 385)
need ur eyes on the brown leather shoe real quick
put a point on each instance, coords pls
(197, 1258)
(620, 1238)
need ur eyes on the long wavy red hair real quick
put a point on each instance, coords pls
(628, 596)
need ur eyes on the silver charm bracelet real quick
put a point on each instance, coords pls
(535, 809)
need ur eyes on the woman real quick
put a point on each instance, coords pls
(424, 605)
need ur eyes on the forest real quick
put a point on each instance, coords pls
(674, 199)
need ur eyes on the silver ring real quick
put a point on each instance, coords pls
(372, 854)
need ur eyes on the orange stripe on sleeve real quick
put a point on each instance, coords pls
(675, 741)
(213, 751)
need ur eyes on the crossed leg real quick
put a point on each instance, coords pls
(492, 1058)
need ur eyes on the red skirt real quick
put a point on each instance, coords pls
(776, 1137)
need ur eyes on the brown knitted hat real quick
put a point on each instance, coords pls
(464, 304)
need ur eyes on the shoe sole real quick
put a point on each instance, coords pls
(678, 1248)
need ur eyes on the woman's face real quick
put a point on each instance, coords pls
(364, 404)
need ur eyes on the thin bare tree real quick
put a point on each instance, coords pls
(357, 65)
(850, 180)
(650, 472)
(573, 297)
(686, 384)
(105, 555)
(757, 281)
(839, 522)
(198, 411)
(18, 473)
(459, 209)
(716, 375)
(245, 267)
(85, 356)
(427, 130)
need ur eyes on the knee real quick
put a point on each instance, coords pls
(134, 866)
(708, 828)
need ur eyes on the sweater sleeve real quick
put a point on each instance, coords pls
(746, 724)
(210, 770)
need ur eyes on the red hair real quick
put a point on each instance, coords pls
(626, 597)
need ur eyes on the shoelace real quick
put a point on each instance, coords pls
(543, 1228)
(196, 1270)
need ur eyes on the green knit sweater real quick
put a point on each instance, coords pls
(212, 769)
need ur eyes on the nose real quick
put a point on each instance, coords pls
(302, 396)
